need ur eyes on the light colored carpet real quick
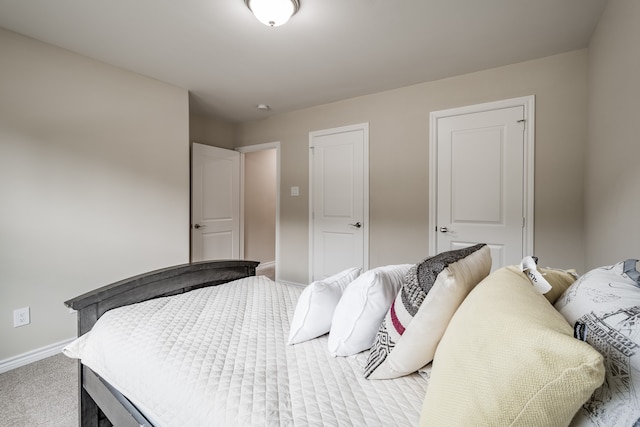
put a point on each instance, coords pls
(43, 393)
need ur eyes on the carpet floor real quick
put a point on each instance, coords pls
(41, 394)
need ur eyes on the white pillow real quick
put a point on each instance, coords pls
(315, 307)
(362, 307)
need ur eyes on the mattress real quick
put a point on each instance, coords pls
(218, 356)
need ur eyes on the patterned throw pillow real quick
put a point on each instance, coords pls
(603, 305)
(433, 289)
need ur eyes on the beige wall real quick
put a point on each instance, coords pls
(613, 162)
(94, 183)
(211, 131)
(398, 121)
(94, 162)
(260, 205)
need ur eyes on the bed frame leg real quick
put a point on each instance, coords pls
(88, 411)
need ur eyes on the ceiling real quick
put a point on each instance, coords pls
(330, 50)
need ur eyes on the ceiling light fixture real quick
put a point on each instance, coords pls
(273, 12)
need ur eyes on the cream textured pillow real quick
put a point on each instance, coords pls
(508, 358)
(604, 305)
(362, 307)
(315, 307)
(551, 282)
(559, 279)
(415, 322)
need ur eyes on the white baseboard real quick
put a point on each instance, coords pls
(302, 285)
(33, 356)
(266, 264)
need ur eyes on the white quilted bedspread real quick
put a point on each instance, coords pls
(218, 357)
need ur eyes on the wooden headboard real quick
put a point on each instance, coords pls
(158, 283)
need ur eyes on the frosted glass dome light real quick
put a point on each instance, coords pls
(273, 12)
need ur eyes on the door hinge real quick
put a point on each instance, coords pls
(524, 222)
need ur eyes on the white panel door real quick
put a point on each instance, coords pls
(215, 210)
(339, 200)
(480, 182)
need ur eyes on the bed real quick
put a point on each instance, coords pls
(290, 380)
(212, 344)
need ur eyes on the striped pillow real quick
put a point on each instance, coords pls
(432, 291)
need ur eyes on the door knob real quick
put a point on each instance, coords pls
(197, 226)
(443, 229)
(356, 225)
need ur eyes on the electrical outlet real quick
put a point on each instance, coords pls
(21, 317)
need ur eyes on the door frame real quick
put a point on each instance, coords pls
(528, 103)
(247, 149)
(364, 127)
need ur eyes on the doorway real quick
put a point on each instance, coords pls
(260, 208)
(481, 179)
